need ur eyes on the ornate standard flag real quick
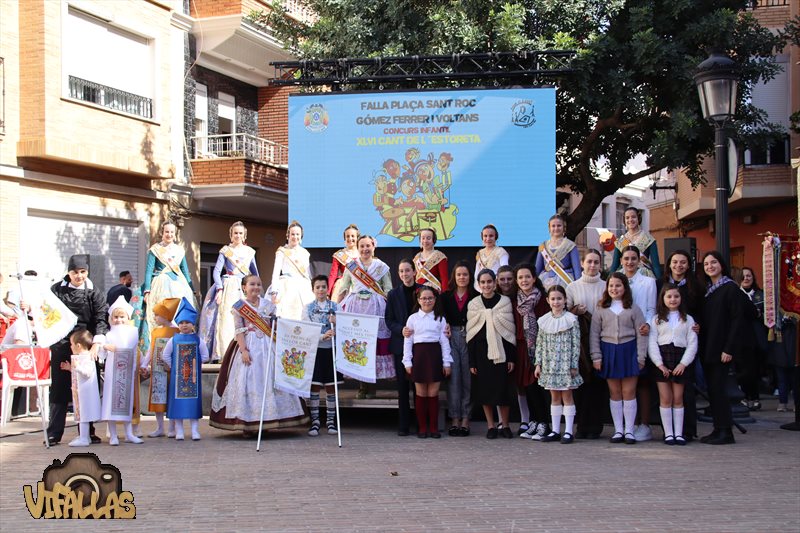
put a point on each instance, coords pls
(295, 354)
(52, 320)
(356, 340)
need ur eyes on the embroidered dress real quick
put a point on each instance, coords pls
(185, 355)
(558, 348)
(85, 391)
(649, 265)
(166, 276)
(216, 322)
(338, 266)
(432, 271)
(291, 281)
(120, 379)
(366, 301)
(236, 398)
(492, 259)
(565, 256)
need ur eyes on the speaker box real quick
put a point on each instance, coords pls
(687, 244)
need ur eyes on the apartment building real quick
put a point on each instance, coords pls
(120, 114)
(765, 197)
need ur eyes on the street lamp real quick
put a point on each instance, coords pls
(717, 80)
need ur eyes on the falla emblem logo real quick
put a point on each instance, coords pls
(80, 487)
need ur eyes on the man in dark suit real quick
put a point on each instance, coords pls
(121, 289)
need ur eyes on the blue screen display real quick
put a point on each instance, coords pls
(394, 163)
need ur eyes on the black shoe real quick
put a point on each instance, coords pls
(95, 439)
(422, 435)
(725, 437)
(617, 438)
(680, 441)
(713, 435)
(463, 431)
(567, 438)
(669, 440)
(435, 435)
(506, 433)
(629, 438)
(551, 437)
(402, 433)
(453, 431)
(491, 433)
(52, 441)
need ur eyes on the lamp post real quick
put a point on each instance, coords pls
(717, 81)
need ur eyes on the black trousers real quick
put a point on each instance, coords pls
(716, 376)
(538, 403)
(403, 389)
(690, 403)
(591, 404)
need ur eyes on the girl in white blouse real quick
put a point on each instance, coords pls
(426, 356)
(672, 348)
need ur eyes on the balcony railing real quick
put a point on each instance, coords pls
(105, 96)
(241, 145)
(299, 10)
(755, 4)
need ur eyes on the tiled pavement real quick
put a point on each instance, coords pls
(298, 483)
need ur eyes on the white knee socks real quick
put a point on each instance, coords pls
(616, 414)
(130, 436)
(178, 428)
(666, 421)
(629, 414)
(677, 415)
(195, 430)
(555, 417)
(569, 418)
(113, 440)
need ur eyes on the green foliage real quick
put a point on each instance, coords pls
(633, 91)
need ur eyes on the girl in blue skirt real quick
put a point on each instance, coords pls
(618, 352)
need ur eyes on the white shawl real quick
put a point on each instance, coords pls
(498, 320)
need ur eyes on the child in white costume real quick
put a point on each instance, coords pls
(85, 392)
(119, 386)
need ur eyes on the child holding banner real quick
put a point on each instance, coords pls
(184, 356)
(85, 392)
(426, 356)
(366, 284)
(322, 311)
(120, 381)
(152, 367)
(236, 399)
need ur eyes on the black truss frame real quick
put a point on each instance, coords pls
(538, 67)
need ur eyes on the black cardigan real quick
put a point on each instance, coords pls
(725, 327)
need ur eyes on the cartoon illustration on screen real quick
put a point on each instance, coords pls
(415, 195)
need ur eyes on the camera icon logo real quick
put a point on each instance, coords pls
(80, 487)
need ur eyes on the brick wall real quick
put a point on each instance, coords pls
(273, 109)
(772, 16)
(218, 8)
(238, 170)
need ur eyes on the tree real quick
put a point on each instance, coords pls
(632, 92)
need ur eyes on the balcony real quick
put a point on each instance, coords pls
(227, 42)
(116, 99)
(240, 175)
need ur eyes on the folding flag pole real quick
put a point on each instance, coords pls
(270, 353)
(336, 393)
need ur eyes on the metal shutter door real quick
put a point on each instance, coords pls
(51, 238)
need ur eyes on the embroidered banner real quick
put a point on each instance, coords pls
(186, 384)
(295, 355)
(789, 280)
(356, 340)
(52, 320)
(122, 376)
(159, 375)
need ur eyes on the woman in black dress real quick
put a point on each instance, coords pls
(724, 331)
(491, 339)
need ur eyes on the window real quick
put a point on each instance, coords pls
(620, 215)
(774, 98)
(201, 119)
(227, 121)
(107, 65)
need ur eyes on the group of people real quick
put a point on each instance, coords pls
(494, 333)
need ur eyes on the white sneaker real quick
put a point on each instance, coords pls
(332, 429)
(531, 431)
(80, 442)
(133, 439)
(195, 435)
(642, 433)
(542, 429)
(113, 441)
